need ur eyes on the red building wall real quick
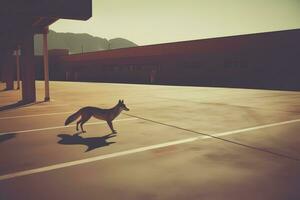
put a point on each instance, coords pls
(264, 60)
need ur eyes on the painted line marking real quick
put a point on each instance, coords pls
(254, 128)
(44, 106)
(34, 106)
(62, 127)
(37, 115)
(93, 159)
(132, 151)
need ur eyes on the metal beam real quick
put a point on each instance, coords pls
(46, 65)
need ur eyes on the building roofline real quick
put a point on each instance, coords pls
(197, 40)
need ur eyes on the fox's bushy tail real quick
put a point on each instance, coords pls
(72, 118)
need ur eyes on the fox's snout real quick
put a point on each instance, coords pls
(125, 108)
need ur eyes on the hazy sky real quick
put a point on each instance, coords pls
(160, 21)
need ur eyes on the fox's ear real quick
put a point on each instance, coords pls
(120, 101)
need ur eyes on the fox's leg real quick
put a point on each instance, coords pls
(111, 126)
(84, 119)
(77, 124)
(79, 121)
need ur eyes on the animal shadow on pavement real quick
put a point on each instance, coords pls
(91, 143)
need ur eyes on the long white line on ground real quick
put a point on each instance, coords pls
(253, 128)
(35, 106)
(132, 151)
(37, 115)
(43, 106)
(61, 127)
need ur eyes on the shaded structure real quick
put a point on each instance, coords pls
(263, 60)
(19, 21)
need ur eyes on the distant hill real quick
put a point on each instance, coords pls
(76, 42)
(118, 43)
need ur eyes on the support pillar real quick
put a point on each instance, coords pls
(46, 64)
(1, 66)
(18, 67)
(28, 69)
(9, 72)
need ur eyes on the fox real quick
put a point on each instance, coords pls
(107, 115)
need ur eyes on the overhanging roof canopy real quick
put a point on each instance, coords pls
(20, 16)
(67, 9)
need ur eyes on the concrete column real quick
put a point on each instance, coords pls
(9, 72)
(18, 66)
(28, 69)
(46, 65)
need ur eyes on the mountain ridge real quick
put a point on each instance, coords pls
(79, 42)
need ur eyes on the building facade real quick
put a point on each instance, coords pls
(264, 60)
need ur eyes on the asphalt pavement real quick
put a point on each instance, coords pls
(175, 143)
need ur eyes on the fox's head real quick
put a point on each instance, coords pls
(122, 105)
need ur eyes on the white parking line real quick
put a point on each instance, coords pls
(45, 106)
(254, 128)
(62, 127)
(37, 115)
(132, 151)
(35, 106)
